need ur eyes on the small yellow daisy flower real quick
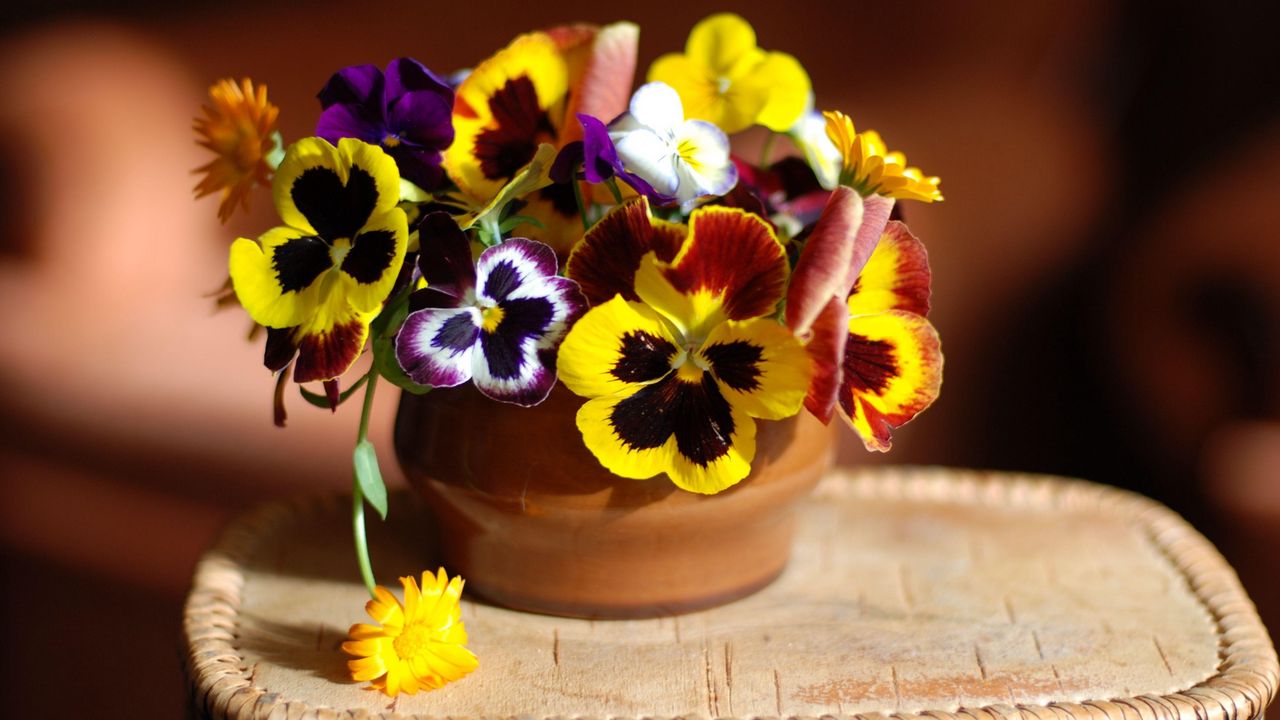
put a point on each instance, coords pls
(868, 167)
(420, 644)
(237, 128)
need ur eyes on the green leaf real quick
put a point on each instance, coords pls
(322, 402)
(384, 329)
(511, 222)
(392, 315)
(369, 477)
(384, 360)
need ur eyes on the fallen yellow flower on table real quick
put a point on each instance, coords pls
(420, 644)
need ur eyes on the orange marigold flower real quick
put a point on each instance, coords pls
(238, 129)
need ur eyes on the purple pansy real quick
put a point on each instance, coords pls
(600, 161)
(408, 112)
(498, 323)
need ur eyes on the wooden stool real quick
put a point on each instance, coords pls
(951, 594)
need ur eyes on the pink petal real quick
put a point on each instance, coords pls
(603, 88)
(875, 216)
(829, 332)
(824, 262)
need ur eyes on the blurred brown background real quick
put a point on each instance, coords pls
(1107, 275)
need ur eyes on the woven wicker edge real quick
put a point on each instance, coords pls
(221, 685)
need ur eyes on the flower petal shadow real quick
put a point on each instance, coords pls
(313, 648)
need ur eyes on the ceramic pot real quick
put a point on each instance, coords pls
(533, 521)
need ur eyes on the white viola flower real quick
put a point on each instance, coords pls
(686, 159)
(810, 134)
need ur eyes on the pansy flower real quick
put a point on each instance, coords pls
(325, 273)
(600, 162)
(497, 323)
(892, 367)
(859, 297)
(238, 129)
(525, 96)
(685, 159)
(407, 113)
(684, 354)
(834, 253)
(724, 78)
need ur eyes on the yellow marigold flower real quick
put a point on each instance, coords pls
(724, 78)
(237, 128)
(420, 645)
(868, 167)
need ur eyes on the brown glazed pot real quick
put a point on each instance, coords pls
(533, 521)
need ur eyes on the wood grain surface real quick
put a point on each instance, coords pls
(951, 594)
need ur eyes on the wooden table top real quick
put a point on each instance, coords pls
(947, 593)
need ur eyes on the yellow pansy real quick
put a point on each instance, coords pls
(723, 77)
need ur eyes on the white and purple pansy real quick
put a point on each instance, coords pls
(599, 160)
(498, 323)
(684, 159)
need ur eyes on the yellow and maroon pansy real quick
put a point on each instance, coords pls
(892, 367)
(676, 377)
(324, 274)
(503, 110)
(843, 239)
(518, 100)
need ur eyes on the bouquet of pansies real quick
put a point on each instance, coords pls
(534, 219)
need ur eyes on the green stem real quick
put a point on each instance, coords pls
(490, 230)
(357, 497)
(582, 208)
(766, 152)
(613, 188)
(367, 410)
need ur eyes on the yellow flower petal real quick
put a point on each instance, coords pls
(365, 669)
(364, 631)
(892, 371)
(692, 313)
(365, 648)
(724, 472)
(595, 422)
(330, 340)
(411, 598)
(460, 658)
(706, 96)
(615, 348)
(761, 367)
(789, 89)
(720, 41)
(373, 261)
(279, 294)
(385, 609)
(895, 277)
(304, 155)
